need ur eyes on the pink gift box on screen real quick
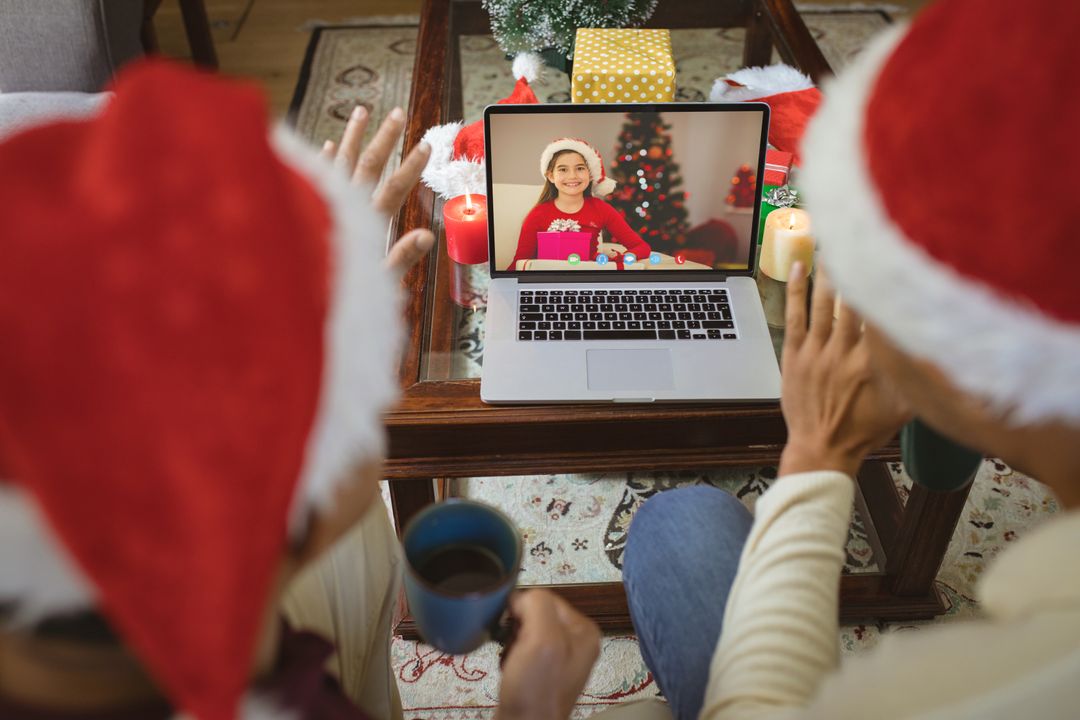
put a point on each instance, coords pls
(560, 245)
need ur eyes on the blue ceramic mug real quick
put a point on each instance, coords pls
(462, 561)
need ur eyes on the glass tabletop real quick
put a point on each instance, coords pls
(598, 506)
(454, 343)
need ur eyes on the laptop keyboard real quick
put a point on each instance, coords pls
(681, 314)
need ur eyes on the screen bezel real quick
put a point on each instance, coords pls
(672, 107)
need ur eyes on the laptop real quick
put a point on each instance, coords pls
(635, 287)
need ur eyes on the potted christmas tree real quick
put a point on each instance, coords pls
(743, 192)
(548, 26)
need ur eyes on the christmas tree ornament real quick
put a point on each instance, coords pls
(622, 66)
(188, 372)
(535, 25)
(457, 150)
(975, 278)
(790, 95)
(650, 194)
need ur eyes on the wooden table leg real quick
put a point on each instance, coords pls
(408, 497)
(930, 518)
(147, 33)
(197, 28)
(758, 48)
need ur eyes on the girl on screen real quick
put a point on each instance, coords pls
(570, 215)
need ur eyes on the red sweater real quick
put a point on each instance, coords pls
(595, 215)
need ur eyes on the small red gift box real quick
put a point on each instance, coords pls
(777, 167)
(560, 245)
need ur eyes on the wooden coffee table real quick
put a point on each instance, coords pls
(442, 430)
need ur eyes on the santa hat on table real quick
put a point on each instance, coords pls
(928, 196)
(601, 184)
(790, 95)
(457, 150)
(190, 362)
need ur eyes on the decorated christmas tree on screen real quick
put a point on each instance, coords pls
(649, 193)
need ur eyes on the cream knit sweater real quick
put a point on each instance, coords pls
(778, 653)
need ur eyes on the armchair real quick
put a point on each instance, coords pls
(78, 45)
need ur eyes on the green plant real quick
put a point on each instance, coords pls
(523, 25)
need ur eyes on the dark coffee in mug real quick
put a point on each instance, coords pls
(462, 569)
(462, 560)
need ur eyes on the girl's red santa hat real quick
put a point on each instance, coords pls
(932, 194)
(457, 150)
(601, 184)
(188, 304)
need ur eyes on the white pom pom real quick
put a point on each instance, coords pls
(758, 82)
(528, 65)
(445, 175)
(441, 139)
(457, 177)
(604, 187)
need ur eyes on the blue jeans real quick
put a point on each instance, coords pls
(680, 560)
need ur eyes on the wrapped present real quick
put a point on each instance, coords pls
(777, 167)
(622, 65)
(561, 245)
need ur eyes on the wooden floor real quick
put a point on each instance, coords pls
(265, 39)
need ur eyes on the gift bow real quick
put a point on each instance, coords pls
(783, 196)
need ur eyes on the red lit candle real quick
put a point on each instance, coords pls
(465, 220)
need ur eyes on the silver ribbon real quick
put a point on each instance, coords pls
(783, 196)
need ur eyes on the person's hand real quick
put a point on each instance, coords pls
(365, 167)
(546, 667)
(836, 407)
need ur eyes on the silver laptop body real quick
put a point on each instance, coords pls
(677, 329)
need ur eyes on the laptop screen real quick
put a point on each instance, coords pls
(615, 188)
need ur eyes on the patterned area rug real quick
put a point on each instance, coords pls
(575, 525)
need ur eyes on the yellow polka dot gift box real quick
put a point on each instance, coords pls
(622, 65)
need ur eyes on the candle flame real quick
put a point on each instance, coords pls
(791, 221)
(468, 203)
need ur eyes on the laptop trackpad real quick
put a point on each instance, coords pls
(630, 370)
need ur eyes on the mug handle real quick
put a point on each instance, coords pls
(504, 631)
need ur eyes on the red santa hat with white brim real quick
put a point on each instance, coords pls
(601, 184)
(790, 95)
(199, 340)
(456, 165)
(932, 211)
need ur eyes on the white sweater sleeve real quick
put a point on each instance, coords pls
(779, 637)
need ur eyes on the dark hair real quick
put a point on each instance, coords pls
(549, 192)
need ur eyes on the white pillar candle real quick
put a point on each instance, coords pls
(786, 240)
